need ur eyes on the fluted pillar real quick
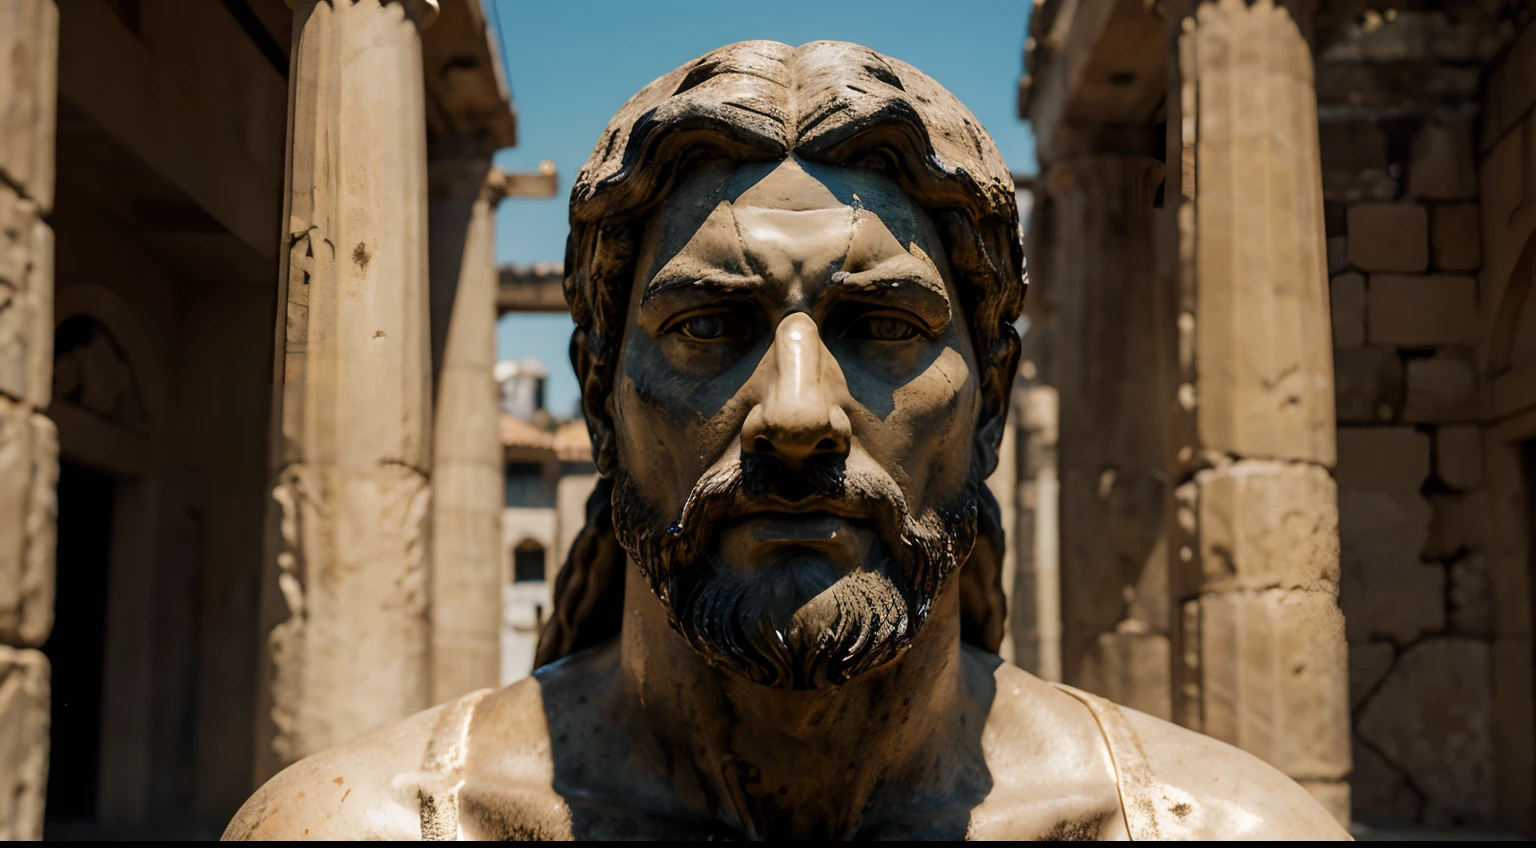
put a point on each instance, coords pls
(347, 590)
(466, 465)
(1114, 575)
(29, 443)
(1249, 394)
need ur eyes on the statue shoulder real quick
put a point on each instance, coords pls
(1212, 790)
(353, 791)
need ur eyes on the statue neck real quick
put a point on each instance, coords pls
(821, 763)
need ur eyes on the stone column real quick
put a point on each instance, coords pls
(29, 445)
(1114, 577)
(1034, 610)
(466, 463)
(349, 646)
(1249, 384)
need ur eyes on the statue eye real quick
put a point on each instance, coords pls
(882, 328)
(712, 328)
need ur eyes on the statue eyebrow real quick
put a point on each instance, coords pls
(717, 283)
(919, 292)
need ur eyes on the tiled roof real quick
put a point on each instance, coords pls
(571, 442)
(517, 433)
(568, 441)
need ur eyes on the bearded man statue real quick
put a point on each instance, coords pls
(795, 274)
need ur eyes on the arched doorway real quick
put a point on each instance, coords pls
(106, 402)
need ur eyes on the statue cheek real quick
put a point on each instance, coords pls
(665, 441)
(936, 414)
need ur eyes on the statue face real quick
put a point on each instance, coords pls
(795, 406)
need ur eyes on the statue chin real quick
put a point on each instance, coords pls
(788, 628)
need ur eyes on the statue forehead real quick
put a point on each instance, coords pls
(720, 194)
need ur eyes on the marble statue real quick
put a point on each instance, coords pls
(795, 274)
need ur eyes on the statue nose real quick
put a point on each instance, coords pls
(800, 414)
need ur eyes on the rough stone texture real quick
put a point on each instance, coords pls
(1471, 608)
(29, 39)
(1348, 311)
(1413, 311)
(467, 453)
(1259, 525)
(1369, 387)
(1443, 164)
(1442, 388)
(26, 296)
(1356, 164)
(1409, 34)
(1456, 241)
(1431, 719)
(1459, 456)
(1383, 522)
(1391, 88)
(1381, 793)
(23, 743)
(1368, 664)
(347, 581)
(1257, 380)
(29, 473)
(1273, 675)
(28, 441)
(1389, 237)
(1460, 524)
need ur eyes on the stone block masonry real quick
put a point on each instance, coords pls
(1412, 507)
(28, 439)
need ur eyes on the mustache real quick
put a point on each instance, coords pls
(760, 482)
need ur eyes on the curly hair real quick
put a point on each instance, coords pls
(829, 102)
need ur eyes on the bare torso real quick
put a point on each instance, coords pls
(1048, 773)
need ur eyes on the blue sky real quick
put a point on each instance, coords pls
(572, 64)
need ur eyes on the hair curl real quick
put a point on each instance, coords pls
(761, 101)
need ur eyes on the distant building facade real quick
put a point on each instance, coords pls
(548, 476)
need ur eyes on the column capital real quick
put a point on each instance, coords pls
(423, 12)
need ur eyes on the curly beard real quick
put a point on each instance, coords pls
(797, 624)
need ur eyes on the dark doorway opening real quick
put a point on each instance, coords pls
(76, 649)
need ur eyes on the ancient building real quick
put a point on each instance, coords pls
(201, 202)
(548, 476)
(1279, 264)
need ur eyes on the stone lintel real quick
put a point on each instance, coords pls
(1092, 62)
(531, 288)
(466, 85)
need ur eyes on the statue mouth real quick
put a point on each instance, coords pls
(760, 506)
(756, 538)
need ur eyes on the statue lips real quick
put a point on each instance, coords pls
(760, 531)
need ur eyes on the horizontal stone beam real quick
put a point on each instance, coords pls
(1095, 62)
(530, 288)
(532, 184)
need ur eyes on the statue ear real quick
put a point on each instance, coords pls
(594, 403)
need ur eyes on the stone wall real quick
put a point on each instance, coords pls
(28, 439)
(1398, 97)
